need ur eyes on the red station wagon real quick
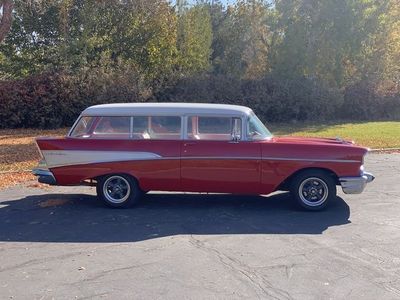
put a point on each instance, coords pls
(126, 150)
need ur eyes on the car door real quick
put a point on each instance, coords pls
(158, 139)
(214, 157)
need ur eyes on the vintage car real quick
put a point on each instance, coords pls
(126, 150)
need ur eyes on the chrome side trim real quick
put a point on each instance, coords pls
(267, 158)
(218, 157)
(355, 184)
(312, 159)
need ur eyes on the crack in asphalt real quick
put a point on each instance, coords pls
(258, 281)
(106, 272)
(55, 258)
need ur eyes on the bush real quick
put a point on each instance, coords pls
(53, 100)
(32, 102)
(366, 101)
(273, 99)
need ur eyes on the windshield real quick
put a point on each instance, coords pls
(256, 129)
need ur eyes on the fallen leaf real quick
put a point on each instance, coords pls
(53, 202)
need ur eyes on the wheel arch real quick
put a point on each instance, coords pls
(285, 184)
(133, 176)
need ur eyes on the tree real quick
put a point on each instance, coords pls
(335, 41)
(245, 36)
(6, 7)
(391, 57)
(194, 38)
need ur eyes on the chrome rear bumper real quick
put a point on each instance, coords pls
(356, 184)
(45, 176)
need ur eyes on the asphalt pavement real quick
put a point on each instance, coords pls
(61, 243)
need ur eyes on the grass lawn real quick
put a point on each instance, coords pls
(375, 135)
(18, 152)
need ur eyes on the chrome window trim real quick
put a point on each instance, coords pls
(184, 127)
(131, 128)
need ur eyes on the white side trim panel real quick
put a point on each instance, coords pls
(58, 158)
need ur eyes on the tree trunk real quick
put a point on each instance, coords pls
(6, 18)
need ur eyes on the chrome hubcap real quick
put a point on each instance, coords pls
(313, 191)
(116, 189)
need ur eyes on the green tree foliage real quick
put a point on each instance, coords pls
(330, 40)
(194, 39)
(32, 44)
(288, 59)
(391, 44)
(137, 33)
(245, 35)
(75, 34)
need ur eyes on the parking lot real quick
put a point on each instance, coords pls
(62, 243)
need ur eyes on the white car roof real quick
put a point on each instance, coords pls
(129, 109)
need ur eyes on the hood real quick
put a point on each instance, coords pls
(311, 140)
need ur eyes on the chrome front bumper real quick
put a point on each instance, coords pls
(356, 184)
(45, 176)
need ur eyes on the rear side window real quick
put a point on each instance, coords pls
(113, 125)
(157, 127)
(166, 124)
(82, 128)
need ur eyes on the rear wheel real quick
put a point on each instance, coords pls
(118, 190)
(313, 189)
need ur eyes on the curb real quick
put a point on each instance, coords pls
(384, 149)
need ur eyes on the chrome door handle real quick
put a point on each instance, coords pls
(189, 144)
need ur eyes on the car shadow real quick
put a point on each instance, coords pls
(71, 218)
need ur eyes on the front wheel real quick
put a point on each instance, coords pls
(313, 189)
(118, 190)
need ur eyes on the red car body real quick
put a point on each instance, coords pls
(254, 167)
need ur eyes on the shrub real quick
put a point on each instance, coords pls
(32, 102)
(366, 101)
(51, 100)
(271, 98)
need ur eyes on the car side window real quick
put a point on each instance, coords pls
(118, 127)
(256, 129)
(82, 128)
(214, 128)
(156, 127)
